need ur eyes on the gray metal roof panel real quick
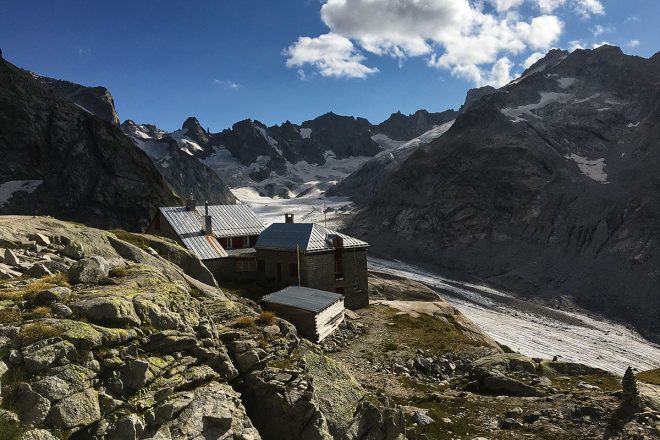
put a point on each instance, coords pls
(232, 220)
(309, 237)
(206, 247)
(227, 220)
(303, 298)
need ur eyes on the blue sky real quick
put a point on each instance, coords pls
(224, 61)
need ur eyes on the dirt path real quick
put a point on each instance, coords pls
(535, 330)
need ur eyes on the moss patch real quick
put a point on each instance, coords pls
(650, 376)
(36, 331)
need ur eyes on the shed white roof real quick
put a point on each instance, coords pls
(304, 298)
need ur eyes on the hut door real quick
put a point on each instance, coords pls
(279, 272)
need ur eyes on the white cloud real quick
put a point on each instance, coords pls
(332, 54)
(633, 43)
(505, 5)
(575, 45)
(584, 8)
(457, 35)
(529, 62)
(84, 52)
(600, 29)
(227, 84)
(602, 43)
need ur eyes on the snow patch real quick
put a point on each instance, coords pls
(385, 142)
(184, 143)
(547, 98)
(593, 169)
(8, 189)
(305, 133)
(566, 83)
(83, 108)
(631, 125)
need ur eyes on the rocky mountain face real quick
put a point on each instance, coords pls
(95, 100)
(60, 159)
(182, 171)
(400, 127)
(474, 95)
(548, 187)
(282, 159)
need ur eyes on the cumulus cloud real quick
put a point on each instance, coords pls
(633, 43)
(584, 8)
(530, 60)
(332, 54)
(465, 37)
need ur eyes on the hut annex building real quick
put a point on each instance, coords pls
(233, 243)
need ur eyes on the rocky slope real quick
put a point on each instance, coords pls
(60, 159)
(124, 336)
(102, 339)
(183, 171)
(548, 186)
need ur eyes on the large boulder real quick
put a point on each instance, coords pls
(32, 408)
(45, 353)
(79, 409)
(74, 250)
(110, 310)
(89, 270)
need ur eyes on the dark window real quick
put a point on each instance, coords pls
(157, 223)
(253, 240)
(339, 290)
(293, 270)
(339, 265)
(279, 272)
(261, 265)
(223, 243)
(246, 265)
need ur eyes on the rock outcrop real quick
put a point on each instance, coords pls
(145, 351)
(61, 159)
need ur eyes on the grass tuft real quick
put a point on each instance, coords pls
(41, 312)
(9, 315)
(266, 317)
(245, 321)
(37, 331)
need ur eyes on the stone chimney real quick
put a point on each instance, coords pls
(190, 203)
(208, 222)
(288, 218)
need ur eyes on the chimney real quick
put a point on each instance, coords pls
(190, 203)
(288, 218)
(208, 223)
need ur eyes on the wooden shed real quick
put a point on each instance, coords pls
(315, 313)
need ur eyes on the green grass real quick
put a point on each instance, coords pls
(650, 376)
(506, 348)
(429, 332)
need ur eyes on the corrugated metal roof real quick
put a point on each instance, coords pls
(227, 221)
(232, 220)
(308, 237)
(303, 298)
(206, 247)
